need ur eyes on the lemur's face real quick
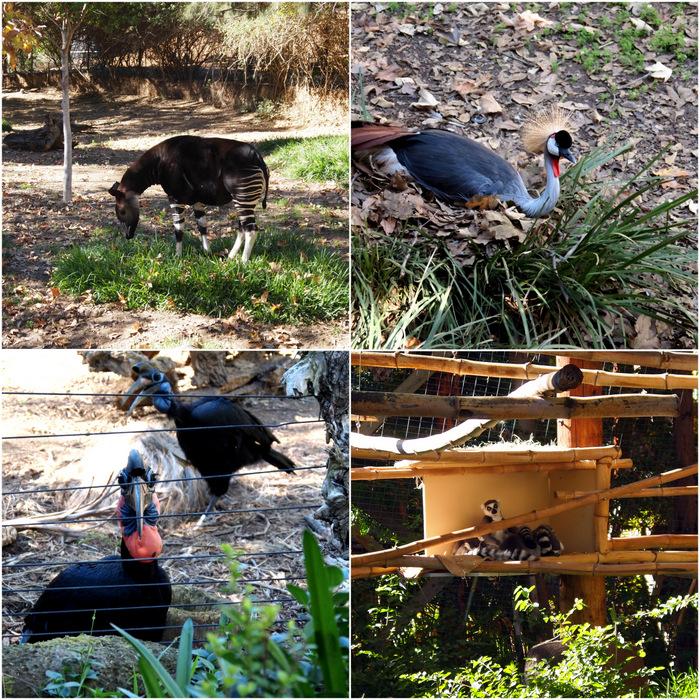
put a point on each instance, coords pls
(492, 509)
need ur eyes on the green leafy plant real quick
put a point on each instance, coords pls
(245, 659)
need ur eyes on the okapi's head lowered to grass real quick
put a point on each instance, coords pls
(127, 208)
(197, 171)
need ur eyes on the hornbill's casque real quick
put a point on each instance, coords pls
(459, 170)
(116, 589)
(215, 453)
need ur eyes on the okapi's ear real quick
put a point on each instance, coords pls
(115, 192)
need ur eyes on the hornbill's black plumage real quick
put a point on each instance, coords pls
(215, 453)
(132, 590)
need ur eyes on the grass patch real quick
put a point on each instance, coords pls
(318, 159)
(287, 280)
(579, 279)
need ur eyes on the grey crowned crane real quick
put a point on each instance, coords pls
(459, 170)
(227, 437)
(130, 590)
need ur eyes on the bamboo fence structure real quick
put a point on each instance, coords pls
(564, 379)
(386, 558)
(686, 362)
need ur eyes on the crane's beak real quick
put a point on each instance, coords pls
(566, 153)
(147, 384)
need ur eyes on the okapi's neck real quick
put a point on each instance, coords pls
(142, 174)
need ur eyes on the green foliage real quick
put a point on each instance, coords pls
(287, 280)
(6, 126)
(315, 159)
(71, 680)
(245, 659)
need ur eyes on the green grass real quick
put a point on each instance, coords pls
(318, 159)
(287, 280)
(580, 278)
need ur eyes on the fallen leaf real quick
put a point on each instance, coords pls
(660, 71)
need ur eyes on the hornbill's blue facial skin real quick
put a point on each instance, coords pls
(116, 589)
(229, 437)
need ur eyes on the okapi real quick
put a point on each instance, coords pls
(197, 171)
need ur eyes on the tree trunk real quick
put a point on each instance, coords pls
(66, 37)
(326, 376)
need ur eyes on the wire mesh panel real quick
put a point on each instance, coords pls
(65, 441)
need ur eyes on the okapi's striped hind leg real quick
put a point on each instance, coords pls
(200, 217)
(247, 189)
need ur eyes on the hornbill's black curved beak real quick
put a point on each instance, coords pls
(148, 383)
(137, 487)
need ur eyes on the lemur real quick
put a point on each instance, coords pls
(514, 543)
(550, 545)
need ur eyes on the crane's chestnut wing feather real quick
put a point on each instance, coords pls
(455, 167)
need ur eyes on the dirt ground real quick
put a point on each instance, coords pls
(38, 225)
(272, 504)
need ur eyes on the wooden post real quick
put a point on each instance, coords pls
(583, 432)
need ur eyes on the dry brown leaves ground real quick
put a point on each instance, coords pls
(37, 224)
(269, 535)
(478, 61)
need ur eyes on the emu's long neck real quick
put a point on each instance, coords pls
(548, 200)
(143, 173)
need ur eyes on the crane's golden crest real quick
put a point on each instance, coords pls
(542, 125)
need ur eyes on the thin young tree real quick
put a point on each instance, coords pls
(66, 18)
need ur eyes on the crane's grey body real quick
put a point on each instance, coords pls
(456, 169)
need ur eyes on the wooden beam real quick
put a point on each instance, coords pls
(406, 360)
(387, 403)
(419, 469)
(662, 492)
(504, 454)
(564, 379)
(653, 541)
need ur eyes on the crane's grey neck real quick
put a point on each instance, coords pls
(548, 200)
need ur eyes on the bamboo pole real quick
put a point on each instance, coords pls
(504, 454)
(658, 359)
(420, 469)
(652, 541)
(581, 558)
(564, 379)
(601, 510)
(550, 565)
(373, 558)
(660, 492)
(404, 360)
(369, 404)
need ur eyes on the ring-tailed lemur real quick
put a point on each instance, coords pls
(512, 544)
(550, 545)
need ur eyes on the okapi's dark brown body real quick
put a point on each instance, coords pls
(197, 171)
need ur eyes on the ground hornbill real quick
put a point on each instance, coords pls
(239, 440)
(131, 590)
